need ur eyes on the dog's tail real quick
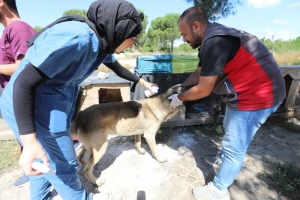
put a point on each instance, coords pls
(78, 104)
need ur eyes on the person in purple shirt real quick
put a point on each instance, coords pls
(13, 48)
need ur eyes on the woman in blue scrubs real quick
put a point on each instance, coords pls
(38, 103)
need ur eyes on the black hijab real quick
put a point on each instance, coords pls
(107, 16)
(109, 19)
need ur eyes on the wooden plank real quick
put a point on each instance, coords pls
(291, 95)
(191, 119)
(293, 71)
(292, 87)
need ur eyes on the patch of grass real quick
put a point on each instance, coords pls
(9, 155)
(287, 58)
(287, 179)
(218, 128)
(210, 129)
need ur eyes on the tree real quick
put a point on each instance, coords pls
(295, 44)
(185, 48)
(217, 9)
(37, 28)
(75, 11)
(142, 38)
(164, 31)
(281, 46)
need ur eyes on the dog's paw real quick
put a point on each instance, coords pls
(161, 159)
(100, 182)
(141, 151)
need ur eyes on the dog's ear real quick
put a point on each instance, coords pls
(176, 89)
(185, 88)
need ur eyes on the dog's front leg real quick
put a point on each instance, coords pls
(138, 144)
(150, 138)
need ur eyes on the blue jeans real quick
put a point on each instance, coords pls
(239, 127)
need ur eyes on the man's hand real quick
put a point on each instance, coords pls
(175, 102)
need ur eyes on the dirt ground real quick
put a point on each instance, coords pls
(131, 176)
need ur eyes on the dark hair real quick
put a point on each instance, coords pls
(11, 4)
(194, 14)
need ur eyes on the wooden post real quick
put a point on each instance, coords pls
(292, 91)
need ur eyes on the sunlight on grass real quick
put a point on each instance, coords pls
(9, 155)
(289, 58)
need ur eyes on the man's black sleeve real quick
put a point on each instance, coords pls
(24, 97)
(217, 51)
(122, 72)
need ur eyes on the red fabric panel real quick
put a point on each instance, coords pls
(250, 81)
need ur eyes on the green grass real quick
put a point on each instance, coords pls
(9, 155)
(287, 179)
(214, 128)
(208, 129)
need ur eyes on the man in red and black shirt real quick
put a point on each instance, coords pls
(236, 65)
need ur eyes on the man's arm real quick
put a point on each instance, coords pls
(9, 69)
(193, 78)
(202, 89)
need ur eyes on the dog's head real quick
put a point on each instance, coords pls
(176, 89)
(160, 104)
(163, 98)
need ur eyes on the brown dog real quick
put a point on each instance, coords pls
(145, 116)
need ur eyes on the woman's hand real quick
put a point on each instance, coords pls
(148, 85)
(32, 150)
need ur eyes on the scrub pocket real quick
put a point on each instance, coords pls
(51, 113)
